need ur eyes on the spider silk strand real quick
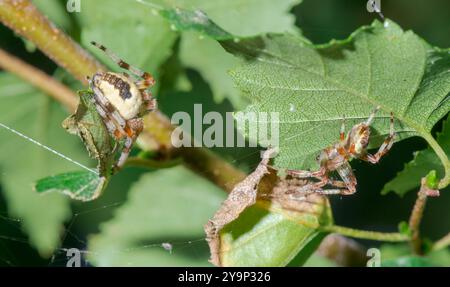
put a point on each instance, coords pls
(48, 148)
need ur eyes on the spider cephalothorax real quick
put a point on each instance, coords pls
(337, 156)
(121, 101)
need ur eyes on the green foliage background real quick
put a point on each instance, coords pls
(132, 218)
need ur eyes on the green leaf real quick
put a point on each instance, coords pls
(133, 31)
(22, 162)
(432, 180)
(184, 20)
(161, 208)
(403, 228)
(269, 234)
(424, 161)
(255, 17)
(89, 126)
(79, 185)
(206, 55)
(399, 255)
(314, 87)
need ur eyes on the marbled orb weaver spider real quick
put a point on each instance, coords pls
(121, 101)
(336, 158)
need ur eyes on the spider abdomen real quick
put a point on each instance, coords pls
(121, 92)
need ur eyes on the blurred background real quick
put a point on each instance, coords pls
(180, 86)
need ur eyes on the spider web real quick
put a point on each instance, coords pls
(12, 235)
(72, 239)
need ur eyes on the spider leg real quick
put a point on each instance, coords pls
(337, 183)
(150, 102)
(312, 188)
(372, 116)
(148, 79)
(133, 128)
(342, 191)
(385, 147)
(342, 131)
(339, 187)
(315, 185)
(306, 173)
(348, 178)
(144, 84)
(125, 152)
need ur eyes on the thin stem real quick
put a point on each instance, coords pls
(39, 79)
(415, 219)
(370, 235)
(417, 214)
(149, 163)
(445, 181)
(442, 243)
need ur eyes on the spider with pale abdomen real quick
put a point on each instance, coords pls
(337, 157)
(121, 101)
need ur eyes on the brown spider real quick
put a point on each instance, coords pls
(337, 156)
(121, 101)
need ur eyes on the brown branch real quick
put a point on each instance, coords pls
(39, 79)
(209, 165)
(150, 163)
(25, 19)
(417, 214)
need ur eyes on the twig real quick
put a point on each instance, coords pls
(209, 165)
(370, 235)
(39, 79)
(149, 163)
(445, 181)
(417, 214)
(25, 19)
(441, 243)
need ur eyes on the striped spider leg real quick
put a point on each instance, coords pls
(337, 157)
(121, 101)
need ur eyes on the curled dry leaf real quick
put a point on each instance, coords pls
(293, 218)
(242, 196)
